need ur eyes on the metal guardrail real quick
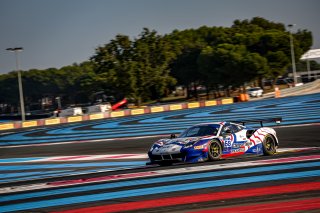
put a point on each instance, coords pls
(307, 86)
(293, 90)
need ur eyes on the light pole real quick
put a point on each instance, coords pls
(308, 67)
(292, 56)
(16, 50)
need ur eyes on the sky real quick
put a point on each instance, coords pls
(57, 33)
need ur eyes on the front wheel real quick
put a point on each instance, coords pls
(269, 145)
(215, 150)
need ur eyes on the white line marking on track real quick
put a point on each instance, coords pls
(84, 141)
(6, 133)
(112, 157)
(93, 157)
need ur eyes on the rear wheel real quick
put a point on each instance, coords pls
(214, 150)
(269, 145)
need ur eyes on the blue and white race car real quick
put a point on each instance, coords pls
(214, 141)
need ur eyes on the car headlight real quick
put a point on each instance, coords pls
(154, 146)
(188, 145)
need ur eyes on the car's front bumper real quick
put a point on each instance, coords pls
(178, 157)
(187, 157)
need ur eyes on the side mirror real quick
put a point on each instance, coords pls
(173, 136)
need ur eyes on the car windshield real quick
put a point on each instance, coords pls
(203, 130)
(253, 89)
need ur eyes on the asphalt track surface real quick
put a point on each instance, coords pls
(286, 182)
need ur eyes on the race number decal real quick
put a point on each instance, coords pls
(228, 141)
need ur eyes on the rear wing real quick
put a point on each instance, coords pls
(261, 121)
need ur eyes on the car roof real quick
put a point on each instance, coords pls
(211, 123)
(217, 123)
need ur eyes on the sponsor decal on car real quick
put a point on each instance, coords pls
(238, 150)
(237, 145)
(199, 147)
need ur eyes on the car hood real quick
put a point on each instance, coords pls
(182, 141)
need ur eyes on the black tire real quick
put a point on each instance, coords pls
(214, 150)
(165, 163)
(269, 145)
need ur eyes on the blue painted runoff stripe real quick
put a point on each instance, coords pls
(18, 160)
(180, 125)
(68, 172)
(26, 174)
(127, 130)
(177, 129)
(117, 122)
(152, 190)
(71, 165)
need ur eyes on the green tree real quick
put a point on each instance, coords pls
(139, 68)
(146, 67)
(111, 63)
(9, 92)
(230, 65)
(152, 55)
(188, 45)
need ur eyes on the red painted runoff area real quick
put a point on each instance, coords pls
(274, 207)
(171, 201)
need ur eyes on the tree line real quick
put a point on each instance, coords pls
(149, 66)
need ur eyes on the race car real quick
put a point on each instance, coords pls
(255, 92)
(214, 141)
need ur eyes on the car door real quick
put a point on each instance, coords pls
(228, 138)
(240, 139)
